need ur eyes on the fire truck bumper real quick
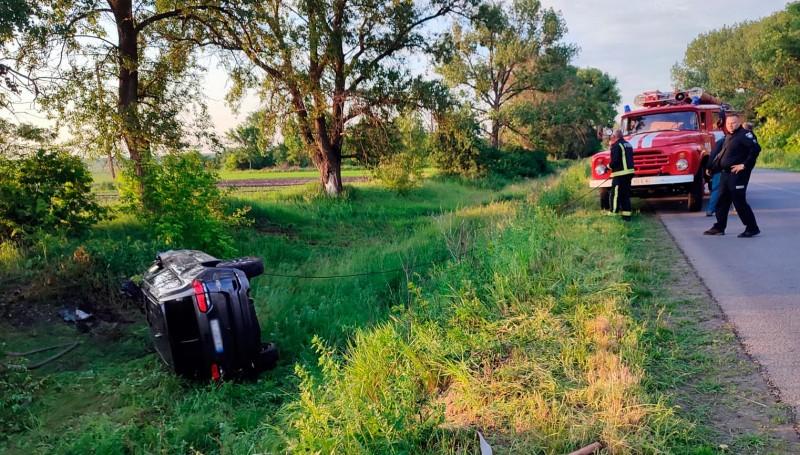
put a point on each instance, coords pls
(647, 181)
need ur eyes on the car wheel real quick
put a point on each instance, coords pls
(267, 357)
(251, 266)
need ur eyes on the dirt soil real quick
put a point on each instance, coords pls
(730, 395)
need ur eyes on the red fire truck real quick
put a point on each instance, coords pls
(672, 134)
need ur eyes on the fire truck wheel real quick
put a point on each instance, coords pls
(605, 204)
(694, 200)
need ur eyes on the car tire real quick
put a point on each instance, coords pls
(267, 357)
(251, 266)
(694, 200)
(605, 204)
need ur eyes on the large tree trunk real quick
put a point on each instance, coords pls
(331, 174)
(495, 134)
(328, 161)
(328, 158)
(496, 124)
(127, 103)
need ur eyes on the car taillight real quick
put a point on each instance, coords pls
(200, 295)
(215, 372)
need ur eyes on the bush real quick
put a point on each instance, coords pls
(400, 172)
(48, 191)
(514, 162)
(183, 203)
(455, 145)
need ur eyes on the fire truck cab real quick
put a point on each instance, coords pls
(672, 135)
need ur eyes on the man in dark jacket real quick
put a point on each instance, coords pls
(622, 173)
(735, 162)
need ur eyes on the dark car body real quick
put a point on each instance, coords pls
(201, 316)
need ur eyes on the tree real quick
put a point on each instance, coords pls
(565, 122)
(505, 53)
(714, 63)
(456, 144)
(14, 20)
(17, 140)
(249, 143)
(325, 63)
(777, 61)
(755, 66)
(140, 47)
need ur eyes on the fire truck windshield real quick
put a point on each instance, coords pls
(647, 123)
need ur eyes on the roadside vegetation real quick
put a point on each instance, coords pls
(499, 320)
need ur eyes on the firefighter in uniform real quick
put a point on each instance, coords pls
(735, 161)
(622, 173)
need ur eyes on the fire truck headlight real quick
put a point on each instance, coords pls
(600, 169)
(682, 164)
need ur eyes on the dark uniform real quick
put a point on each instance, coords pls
(622, 173)
(740, 147)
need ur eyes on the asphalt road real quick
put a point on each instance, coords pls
(756, 281)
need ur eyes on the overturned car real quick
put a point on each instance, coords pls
(201, 316)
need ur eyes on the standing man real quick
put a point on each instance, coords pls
(735, 162)
(622, 173)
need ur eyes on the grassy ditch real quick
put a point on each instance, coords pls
(520, 312)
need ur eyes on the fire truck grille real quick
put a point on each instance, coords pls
(650, 162)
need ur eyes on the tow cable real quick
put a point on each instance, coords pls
(67, 347)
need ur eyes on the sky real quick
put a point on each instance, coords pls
(638, 41)
(635, 41)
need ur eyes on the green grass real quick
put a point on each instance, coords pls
(285, 174)
(779, 159)
(296, 231)
(517, 317)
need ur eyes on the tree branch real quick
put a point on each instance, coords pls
(85, 15)
(397, 44)
(175, 13)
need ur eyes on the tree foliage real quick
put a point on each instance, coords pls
(503, 53)
(756, 67)
(17, 140)
(14, 20)
(249, 147)
(565, 122)
(325, 63)
(456, 144)
(120, 74)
